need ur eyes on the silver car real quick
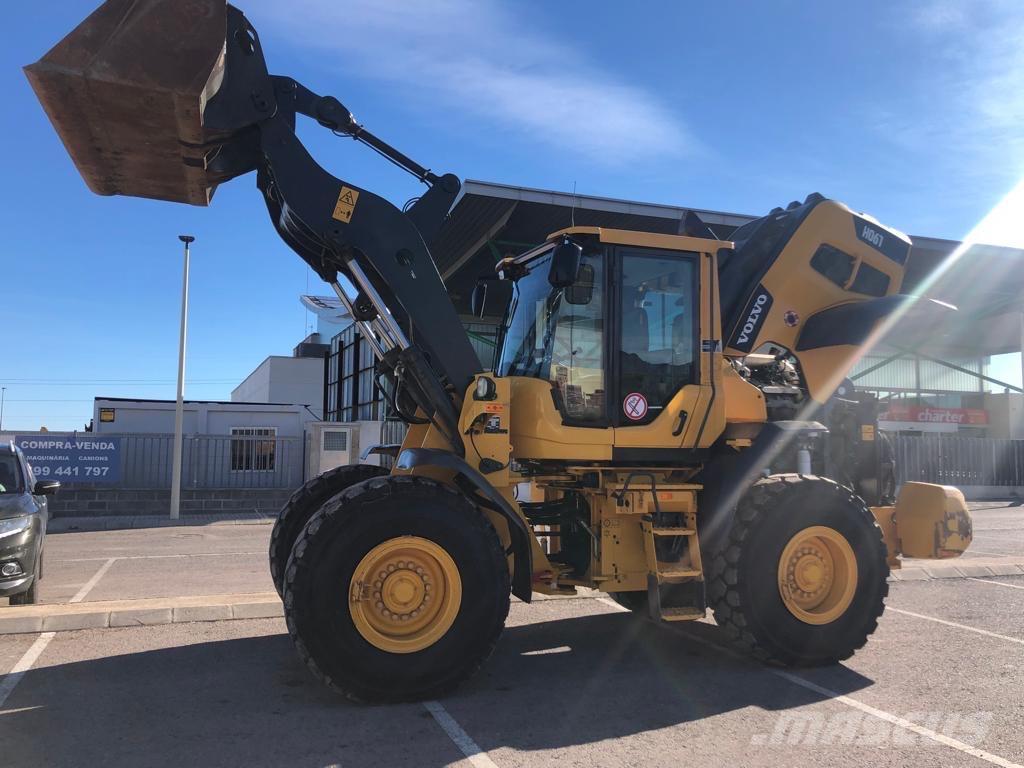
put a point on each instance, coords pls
(23, 518)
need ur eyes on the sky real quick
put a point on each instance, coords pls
(910, 110)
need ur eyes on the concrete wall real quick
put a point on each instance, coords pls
(201, 418)
(284, 380)
(1005, 415)
(105, 502)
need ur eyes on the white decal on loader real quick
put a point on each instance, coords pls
(752, 318)
(872, 236)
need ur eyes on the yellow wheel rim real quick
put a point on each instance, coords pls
(817, 575)
(405, 594)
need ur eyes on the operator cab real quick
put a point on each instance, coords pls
(618, 342)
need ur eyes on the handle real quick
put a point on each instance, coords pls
(683, 416)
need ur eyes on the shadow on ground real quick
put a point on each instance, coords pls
(249, 701)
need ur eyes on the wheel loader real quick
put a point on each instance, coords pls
(648, 429)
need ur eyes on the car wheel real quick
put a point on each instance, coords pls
(30, 596)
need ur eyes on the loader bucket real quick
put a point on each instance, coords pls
(126, 90)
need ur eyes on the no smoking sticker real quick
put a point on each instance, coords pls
(635, 406)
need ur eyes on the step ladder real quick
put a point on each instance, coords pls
(661, 575)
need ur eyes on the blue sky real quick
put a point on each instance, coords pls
(909, 110)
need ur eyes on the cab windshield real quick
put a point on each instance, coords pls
(557, 334)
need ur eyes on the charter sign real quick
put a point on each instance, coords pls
(83, 458)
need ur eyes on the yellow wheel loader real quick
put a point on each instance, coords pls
(648, 428)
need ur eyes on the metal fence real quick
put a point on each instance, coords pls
(213, 461)
(960, 461)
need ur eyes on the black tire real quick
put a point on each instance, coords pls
(743, 579)
(324, 560)
(31, 595)
(303, 504)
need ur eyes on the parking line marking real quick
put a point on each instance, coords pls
(997, 583)
(476, 756)
(545, 651)
(888, 717)
(23, 665)
(867, 709)
(990, 552)
(985, 632)
(87, 587)
(157, 557)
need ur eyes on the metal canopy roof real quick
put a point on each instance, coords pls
(489, 221)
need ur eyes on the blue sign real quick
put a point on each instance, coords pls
(78, 458)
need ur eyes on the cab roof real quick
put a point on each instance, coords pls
(630, 237)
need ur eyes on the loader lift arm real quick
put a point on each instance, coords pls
(402, 305)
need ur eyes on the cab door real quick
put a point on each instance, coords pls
(664, 353)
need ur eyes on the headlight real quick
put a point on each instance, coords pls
(14, 525)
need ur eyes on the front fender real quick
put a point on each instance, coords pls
(478, 489)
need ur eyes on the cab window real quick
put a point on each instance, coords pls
(558, 334)
(658, 330)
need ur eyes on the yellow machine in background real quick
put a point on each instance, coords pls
(649, 427)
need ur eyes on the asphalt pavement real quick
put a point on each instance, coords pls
(572, 682)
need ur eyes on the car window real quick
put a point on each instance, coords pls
(10, 474)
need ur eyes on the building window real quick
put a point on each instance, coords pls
(251, 450)
(352, 391)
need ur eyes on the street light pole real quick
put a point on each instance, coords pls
(3, 395)
(180, 403)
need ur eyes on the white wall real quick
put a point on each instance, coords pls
(1005, 415)
(255, 387)
(284, 380)
(201, 418)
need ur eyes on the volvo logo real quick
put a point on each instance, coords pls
(755, 314)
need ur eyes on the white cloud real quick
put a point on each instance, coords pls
(479, 59)
(976, 91)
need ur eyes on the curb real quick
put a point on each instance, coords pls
(66, 617)
(963, 571)
(146, 612)
(121, 522)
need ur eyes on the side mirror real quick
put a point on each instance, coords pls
(46, 487)
(582, 291)
(565, 263)
(478, 299)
